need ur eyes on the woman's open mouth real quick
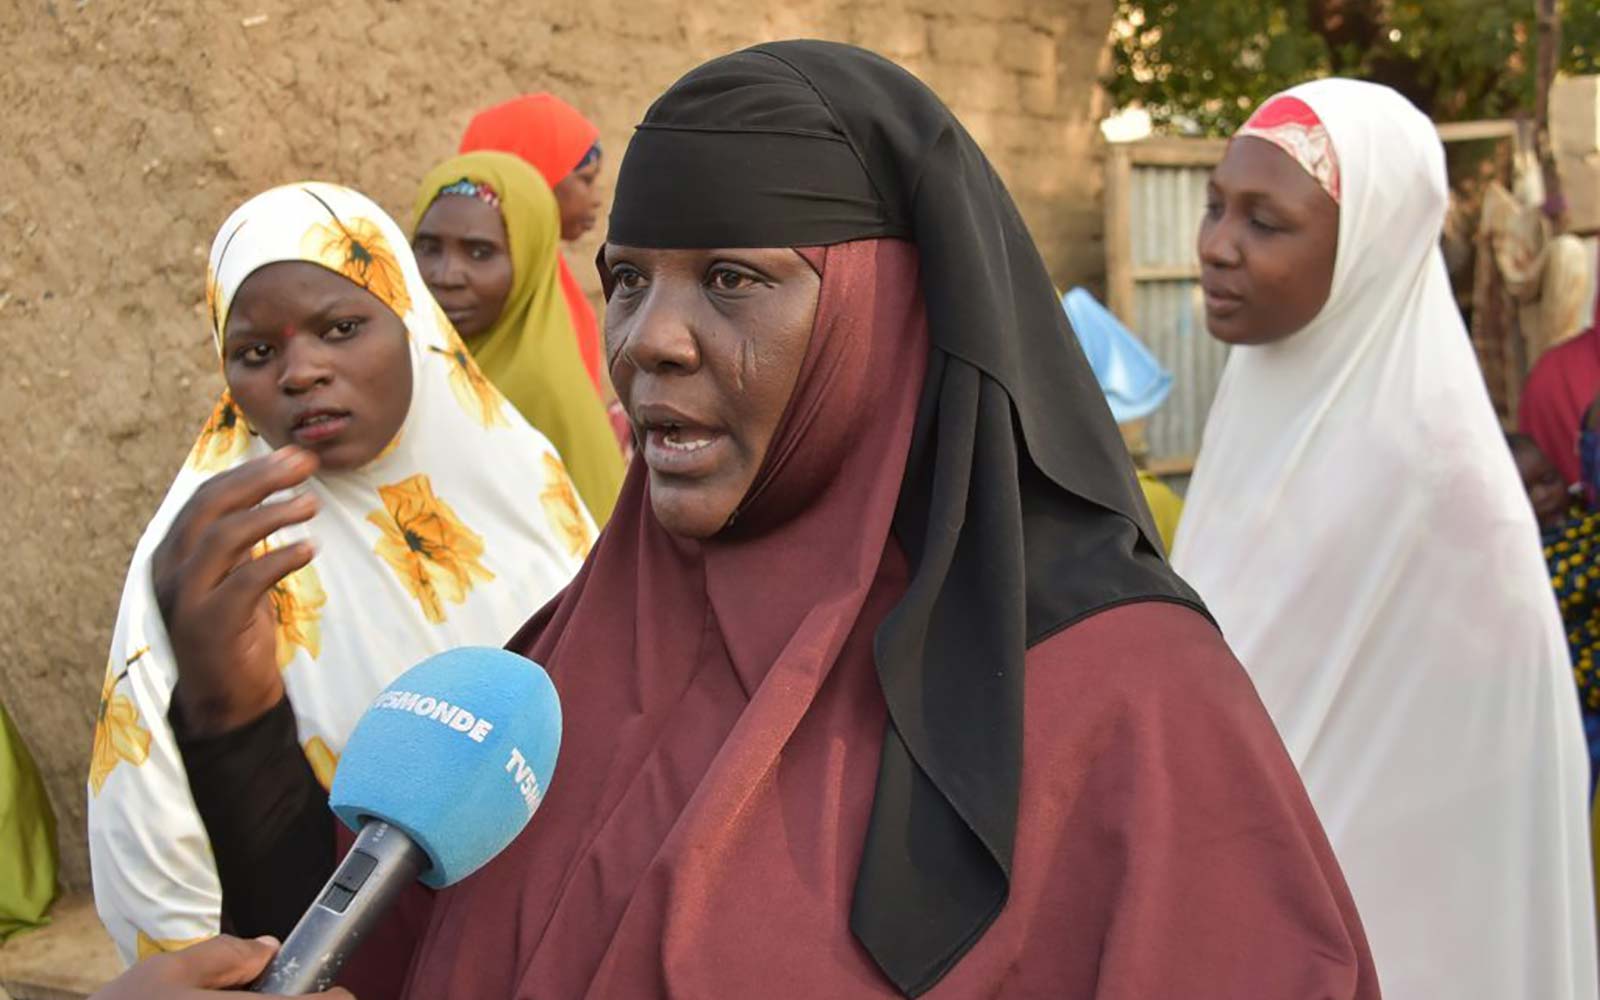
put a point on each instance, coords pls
(319, 426)
(675, 445)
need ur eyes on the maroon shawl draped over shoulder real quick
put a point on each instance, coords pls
(1563, 383)
(702, 833)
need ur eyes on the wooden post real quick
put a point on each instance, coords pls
(1549, 37)
(1119, 233)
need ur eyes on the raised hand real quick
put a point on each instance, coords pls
(213, 590)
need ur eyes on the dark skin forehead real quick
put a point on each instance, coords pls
(588, 173)
(458, 217)
(291, 292)
(1258, 173)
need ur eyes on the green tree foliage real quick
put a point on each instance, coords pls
(1210, 62)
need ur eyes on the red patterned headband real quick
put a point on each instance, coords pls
(1291, 125)
(469, 188)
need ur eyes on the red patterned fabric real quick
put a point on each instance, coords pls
(1291, 125)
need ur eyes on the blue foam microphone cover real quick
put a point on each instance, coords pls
(457, 752)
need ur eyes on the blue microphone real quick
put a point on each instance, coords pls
(442, 772)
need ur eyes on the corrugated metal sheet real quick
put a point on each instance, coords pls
(1170, 321)
(1165, 211)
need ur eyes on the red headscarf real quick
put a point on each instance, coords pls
(551, 135)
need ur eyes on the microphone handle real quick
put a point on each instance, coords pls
(382, 862)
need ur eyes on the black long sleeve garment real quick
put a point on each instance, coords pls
(271, 831)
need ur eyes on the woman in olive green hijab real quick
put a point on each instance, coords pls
(486, 231)
(27, 837)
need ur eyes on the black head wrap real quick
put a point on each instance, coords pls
(1019, 510)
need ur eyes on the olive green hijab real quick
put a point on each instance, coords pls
(27, 836)
(531, 354)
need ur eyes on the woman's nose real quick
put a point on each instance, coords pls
(444, 270)
(306, 363)
(659, 335)
(1217, 245)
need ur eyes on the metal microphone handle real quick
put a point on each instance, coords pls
(382, 862)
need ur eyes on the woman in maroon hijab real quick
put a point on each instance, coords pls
(876, 683)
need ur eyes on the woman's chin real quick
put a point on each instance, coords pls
(1236, 334)
(1227, 330)
(688, 511)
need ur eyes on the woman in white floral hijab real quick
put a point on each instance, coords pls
(422, 513)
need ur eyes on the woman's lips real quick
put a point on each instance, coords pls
(318, 428)
(682, 450)
(1222, 303)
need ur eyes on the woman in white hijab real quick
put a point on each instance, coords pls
(1358, 529)
(437, 516)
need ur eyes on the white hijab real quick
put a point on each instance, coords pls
(500, 529)
(1358, 528)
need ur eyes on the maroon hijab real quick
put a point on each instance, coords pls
(800, 748)
(685, 667)
(1559, 390)
(724, 723)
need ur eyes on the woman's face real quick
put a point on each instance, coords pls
(578, 194)
(705, 348)
(462, 252)
(1267, 245)
(316, 360)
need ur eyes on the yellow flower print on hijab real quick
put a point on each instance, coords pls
(118, 734)
(560, 502)
(223, 438)
(149, 946)
(323, 761)
(476, 394)
(297, 602)
(436, 557)
(355, 248)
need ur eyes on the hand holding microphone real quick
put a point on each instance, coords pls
(441, 774)
(200, 972)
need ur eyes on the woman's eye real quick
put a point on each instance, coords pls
(253, 354)
(627, 278)
(1264, 225)
(1213, 209)
(344, 329)
(481, 252)
(726, 279)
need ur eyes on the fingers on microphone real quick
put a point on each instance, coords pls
(223, 961)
